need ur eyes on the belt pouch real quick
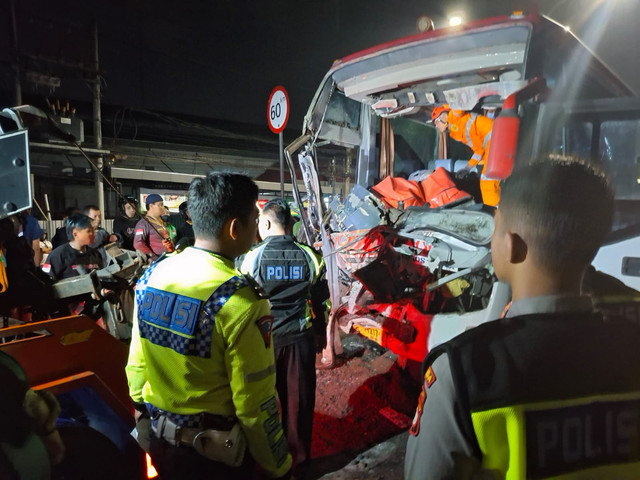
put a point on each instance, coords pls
(227, 447)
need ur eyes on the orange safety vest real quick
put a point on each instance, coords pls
(475, 131)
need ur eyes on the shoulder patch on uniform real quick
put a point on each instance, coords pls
(414, 430)
(265, 325)
(261, 292)
(429, 377)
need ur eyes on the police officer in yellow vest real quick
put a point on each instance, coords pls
(474, 131)
(201, 361)
(552, 389)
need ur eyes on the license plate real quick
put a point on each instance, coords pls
(371, 333)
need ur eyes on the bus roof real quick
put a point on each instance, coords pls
(463, 65)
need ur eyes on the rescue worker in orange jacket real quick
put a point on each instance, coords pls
(473, 130)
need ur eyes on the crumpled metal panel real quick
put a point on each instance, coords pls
(474, 227)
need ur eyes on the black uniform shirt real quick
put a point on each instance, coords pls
(125, 227)
(185, 230)
(63, 261)
(291, 277)
(439, 445)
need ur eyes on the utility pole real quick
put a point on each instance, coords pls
(97, 122)
(17, 87)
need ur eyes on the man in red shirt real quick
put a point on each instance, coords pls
(152, 236)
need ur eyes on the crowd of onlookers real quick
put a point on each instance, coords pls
(31, 260)
(82, 238)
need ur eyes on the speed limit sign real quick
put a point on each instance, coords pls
(278, 109)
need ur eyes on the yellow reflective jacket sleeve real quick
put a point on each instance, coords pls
(250, 366)
(135, 368)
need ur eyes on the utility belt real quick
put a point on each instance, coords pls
(216, 437)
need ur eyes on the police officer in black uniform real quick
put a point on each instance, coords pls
(292, 274)
(551, 389)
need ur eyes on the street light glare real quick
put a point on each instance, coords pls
(455, 20)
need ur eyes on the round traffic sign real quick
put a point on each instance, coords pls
(278, 109)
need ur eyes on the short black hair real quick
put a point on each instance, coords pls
(79, 221)
(183, 208)
(86, 209)
(278, 211)
(218, 197)
(71, 211)
(564, 208)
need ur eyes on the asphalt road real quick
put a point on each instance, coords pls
(364, 407)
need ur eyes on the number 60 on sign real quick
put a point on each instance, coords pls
(278, 109)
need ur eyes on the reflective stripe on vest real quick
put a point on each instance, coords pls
(475, 159)
(316, 262)
(487, 137)
(467, 128)
(595, 436)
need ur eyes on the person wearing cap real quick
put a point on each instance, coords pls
(152, 236)
(473, 130)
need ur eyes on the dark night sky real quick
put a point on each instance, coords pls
(220, 59)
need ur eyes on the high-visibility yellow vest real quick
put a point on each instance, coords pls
(201, 342)
(551, 396)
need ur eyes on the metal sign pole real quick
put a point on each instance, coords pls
(281, 165)
(97, 122)
(277, 116)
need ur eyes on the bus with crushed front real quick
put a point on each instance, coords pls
(410, 278)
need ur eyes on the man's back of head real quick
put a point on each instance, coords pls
(555, 213)
(275, 218)
(566, 207)
(219, 201)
